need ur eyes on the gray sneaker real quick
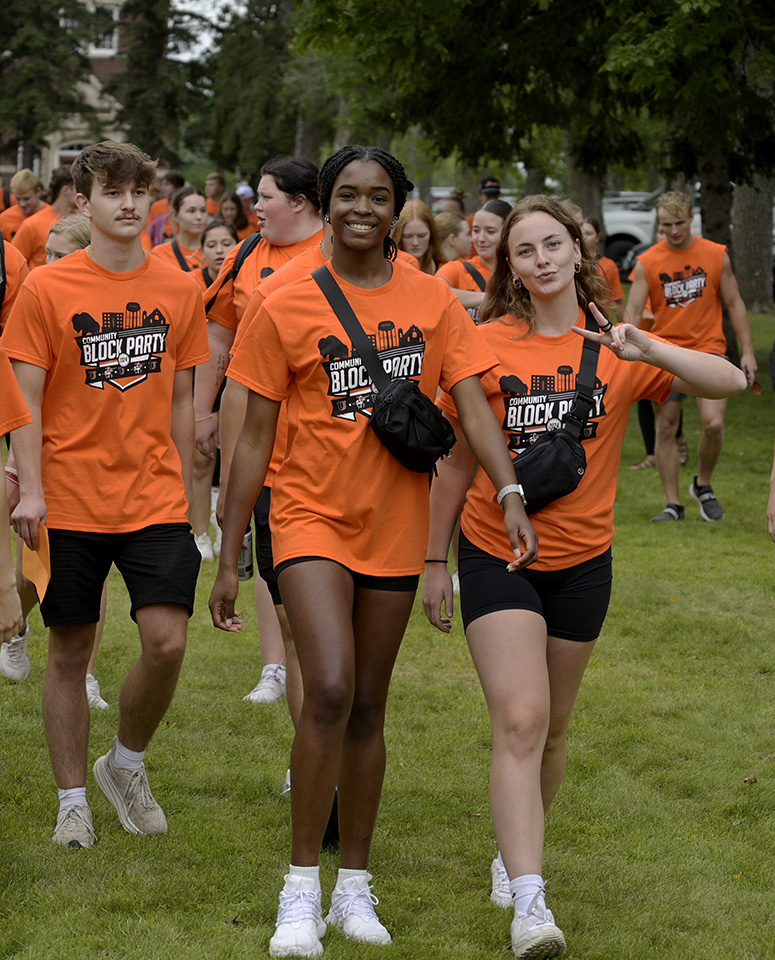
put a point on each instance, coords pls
(74, 828)
(14, 662)
(130, 794)
(673, 511)
(710, 509)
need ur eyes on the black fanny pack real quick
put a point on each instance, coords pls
(407, 422)
(553, 466)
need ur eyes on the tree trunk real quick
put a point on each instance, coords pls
(713, 169)
(586, 190)
(752, 242)
(343, 134)
(306, 138)
(535, 181)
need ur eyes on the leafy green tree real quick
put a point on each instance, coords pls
(158, 93)
(42, 63)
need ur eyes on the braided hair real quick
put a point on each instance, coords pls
(392, 167)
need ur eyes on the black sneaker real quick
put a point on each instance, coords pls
(710, 509)
(673, 511)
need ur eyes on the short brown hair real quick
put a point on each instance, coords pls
(112, 165)
(675, 203)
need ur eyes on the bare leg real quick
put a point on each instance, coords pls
(509, 651)
(204, 468)
(712, 413)
(567, 660)
(379, 619)
(346, 648)
(150, 685)
(65, 707)
(667, 416)
(99, 630)
(270, 638)
(294, 692)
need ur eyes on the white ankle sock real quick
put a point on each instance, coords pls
(310, 873)
(73, 797)
(126, 759)
(524, 888)
(349, 875)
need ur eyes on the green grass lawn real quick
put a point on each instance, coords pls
(659, 845)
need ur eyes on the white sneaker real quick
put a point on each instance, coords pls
(218, 535)
(93, 694)
(74, 828)
(14, 662)
(501, 892)
(205, 546)
(270, 687)
(287, 783)
(535, 934)
(352, 910)
(130, 794)
(300, 925)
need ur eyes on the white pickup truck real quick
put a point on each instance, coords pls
(624, 228)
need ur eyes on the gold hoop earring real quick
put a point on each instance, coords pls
(517, 282)
(577, 268)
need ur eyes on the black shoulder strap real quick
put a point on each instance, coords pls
(247, 247)
(362, 344)
(477, 277)
(3, 279)
(576, 418)
(6, 198)
(179, 256)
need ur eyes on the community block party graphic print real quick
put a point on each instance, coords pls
(531, 411)
(124, 349)
(349, 384)
(683, 287)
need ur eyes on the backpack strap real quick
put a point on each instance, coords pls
(476, 276)
(584, 400)
(179, 256)
(246, 248)
(341, 307)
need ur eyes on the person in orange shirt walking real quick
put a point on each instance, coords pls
(686, 278)
(30, 239)
(115, 324)
(531, 632)
(26, 190)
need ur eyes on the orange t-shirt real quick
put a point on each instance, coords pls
(459, 278)
(203, 277)
(11, 199)
(192, 256)
(12, 218)
(111, 344)
(231, 296)
(684, 294)
(610, 273)
(16, 270)
(301, 266)
(160, 206)
(13, 409)
(530, 391)
(30, 239)
(408, 259)
(339, 493)
(213, 206)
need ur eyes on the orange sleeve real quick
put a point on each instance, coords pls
(16, 270)
(13, 409)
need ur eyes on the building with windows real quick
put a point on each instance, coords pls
(106, 60)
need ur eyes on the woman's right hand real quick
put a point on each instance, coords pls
(437, 596)
(224, 594)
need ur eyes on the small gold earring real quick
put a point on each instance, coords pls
(578, 266)
(517, 282)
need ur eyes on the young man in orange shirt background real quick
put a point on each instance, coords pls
(686, 278)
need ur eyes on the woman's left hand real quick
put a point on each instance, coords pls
(437, 596)
(623, 339)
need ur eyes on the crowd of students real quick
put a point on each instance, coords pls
(104, 343)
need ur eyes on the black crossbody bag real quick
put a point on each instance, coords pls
(407, 422)
(554, 465)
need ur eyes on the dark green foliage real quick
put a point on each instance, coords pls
(42, 61)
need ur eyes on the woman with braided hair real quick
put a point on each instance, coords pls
(349, 522)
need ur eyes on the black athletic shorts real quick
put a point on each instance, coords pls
(264, 556)
(159, 564)
(390, 584)
(573, 602)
